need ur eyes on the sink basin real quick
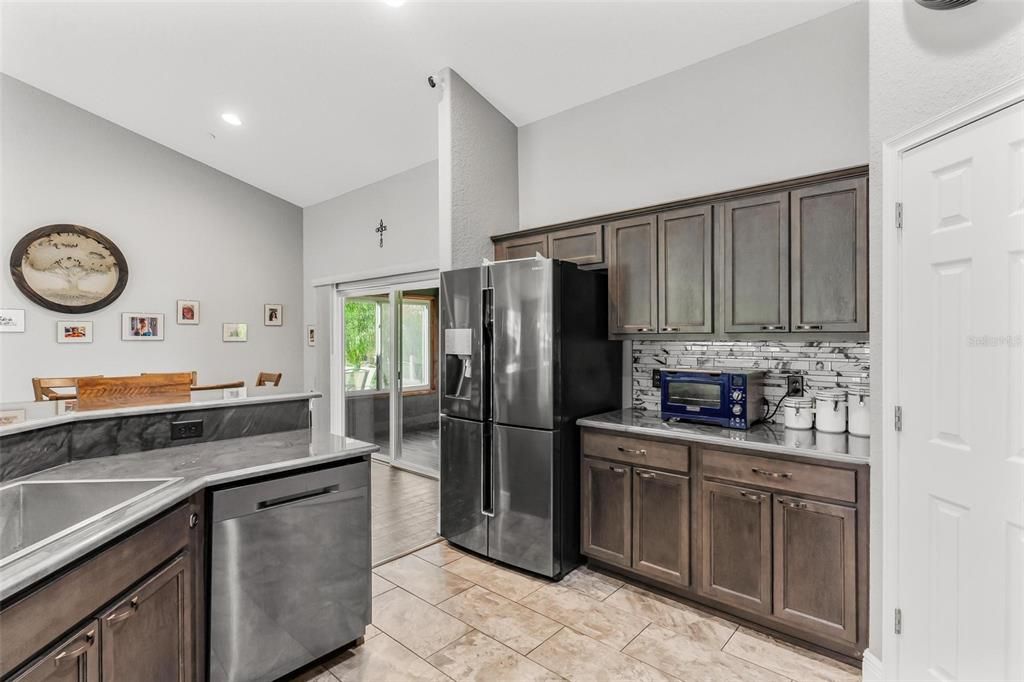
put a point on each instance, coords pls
(34, 513)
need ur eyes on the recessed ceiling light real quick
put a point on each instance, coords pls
(231, 119)
(394, 3)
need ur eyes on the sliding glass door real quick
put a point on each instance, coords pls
(390, 379)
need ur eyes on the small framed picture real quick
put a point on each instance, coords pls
(74, 331)
(12, 320)
(142, 326)
(188, 312)
(236, 331)
(273, 315)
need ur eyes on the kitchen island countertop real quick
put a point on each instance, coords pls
(761, 438)
(191, 468)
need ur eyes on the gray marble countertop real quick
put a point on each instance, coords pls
(193, 467)
(20, 417)
(762, 438)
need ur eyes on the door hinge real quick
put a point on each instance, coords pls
(898, 418)
(897, 621)
(899, 215)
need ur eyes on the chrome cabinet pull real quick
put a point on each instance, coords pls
(771, 474)
(71, 654)
(630, 451)
(791, 504)
(772, 327)
(646, 474)
(644, 329)
(618, 470)
(757, 497)
(670, 329)
(131, 610)
(810, 327)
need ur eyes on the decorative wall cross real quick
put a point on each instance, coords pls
(381, 229)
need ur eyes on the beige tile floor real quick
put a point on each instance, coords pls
(439, 614)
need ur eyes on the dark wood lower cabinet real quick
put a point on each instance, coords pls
(147, 636)
(816, 566)
(737, 546)
(606, 512)
(661, 526)
(77, 659)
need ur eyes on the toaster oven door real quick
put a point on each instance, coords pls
(695, 395)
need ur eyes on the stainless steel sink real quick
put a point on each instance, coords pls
(34, 513)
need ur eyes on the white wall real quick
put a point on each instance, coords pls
(790, 104)
(339, 241)
(478, 183)
(186, 230)
(922, 64)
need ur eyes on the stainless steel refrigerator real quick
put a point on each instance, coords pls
(525, 353)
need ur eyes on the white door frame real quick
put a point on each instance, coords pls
(892, 192)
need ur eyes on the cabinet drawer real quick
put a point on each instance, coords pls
(648, 453)
(793, 477)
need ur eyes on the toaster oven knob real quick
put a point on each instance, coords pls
(737, 396)
(737, 409)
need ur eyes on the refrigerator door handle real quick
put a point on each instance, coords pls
(487, 349)
(487, 475)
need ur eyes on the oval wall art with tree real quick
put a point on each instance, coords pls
(69, 268)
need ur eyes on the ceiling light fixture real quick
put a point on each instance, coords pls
(231, 119)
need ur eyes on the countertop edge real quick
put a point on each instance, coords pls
(592, 423)
(151, 506)
(91, 415)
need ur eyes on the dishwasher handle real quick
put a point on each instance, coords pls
(298, 497)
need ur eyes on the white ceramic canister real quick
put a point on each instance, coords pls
(859, 405)
(799, 412)
(830, 410)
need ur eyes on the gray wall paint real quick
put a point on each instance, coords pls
(187, 231)
(790, 104)
(923, 63)
(339, 241)
(478, 173)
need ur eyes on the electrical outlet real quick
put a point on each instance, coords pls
(794, 384)
(656, 378)
(190, 429)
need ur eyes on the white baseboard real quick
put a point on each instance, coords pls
(872, 669)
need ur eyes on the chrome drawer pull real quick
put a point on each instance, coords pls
(133, 607)
(644, 329)
(809, 327)
(757, 497)
(618, 470)
(72, 654)
(791, 504)
(670, 329)
(772, 327)
(771, 474)
(646, 474)
(629, 451)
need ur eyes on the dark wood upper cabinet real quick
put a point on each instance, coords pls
(521, 247)
(755, 233)
(633, 276)
(581, 245)
(606, 511)
(685, 270)
(148, 635)
(74, 660)
(661, 526)
(816, 566)
(829, 243)
(736, 539)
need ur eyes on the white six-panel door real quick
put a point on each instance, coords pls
(961, 387)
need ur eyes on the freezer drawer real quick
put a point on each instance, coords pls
(290, 571)
(465, 482)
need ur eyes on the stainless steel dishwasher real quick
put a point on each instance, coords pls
(290, 571)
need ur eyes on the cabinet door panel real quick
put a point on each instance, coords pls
(661, 526)
(632, 276)
(816, 566)
(830, 257)
(737, 546)
(685, 274)
(756, 263)
(606, 500)
(521, 247)
(581, 245)
(148, 635)
(74, 660)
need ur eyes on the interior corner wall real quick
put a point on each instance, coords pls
(923, 63)
(791, 104)
(478, 184)
(187, 231)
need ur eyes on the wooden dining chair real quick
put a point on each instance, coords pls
(43, 387)
(268, 379)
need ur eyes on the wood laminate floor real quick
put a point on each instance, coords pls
(441, 615)
(404, 509)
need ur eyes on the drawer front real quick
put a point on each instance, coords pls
(648, 453)
(791, 477)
